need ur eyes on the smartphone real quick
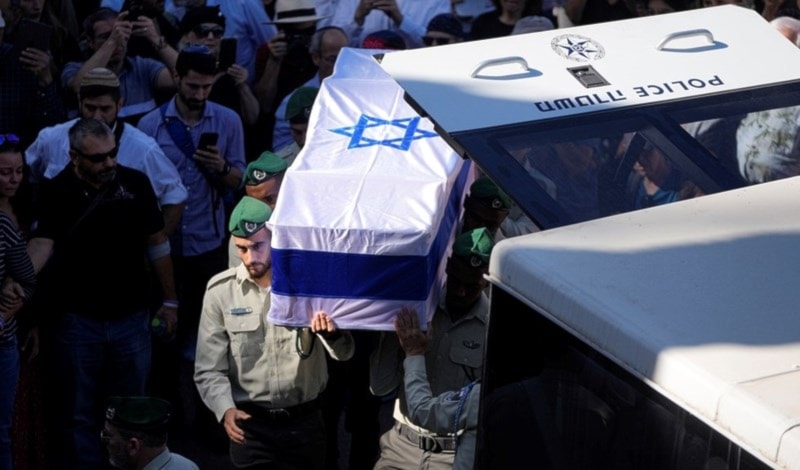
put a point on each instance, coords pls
(207, 139)
(227, 53)
(32, 34)
(134, 12)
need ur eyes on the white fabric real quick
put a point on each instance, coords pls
(338, 197)
(416, 15)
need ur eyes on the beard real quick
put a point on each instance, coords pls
(258, 270)
(194, 105)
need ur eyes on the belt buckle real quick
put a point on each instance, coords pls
(429, 444)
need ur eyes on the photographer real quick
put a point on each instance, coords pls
(141, 79)
(285, 61)
(166, 23)
(205, 25)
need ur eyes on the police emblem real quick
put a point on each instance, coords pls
(497, 203)
(475, 261)
(578, 48)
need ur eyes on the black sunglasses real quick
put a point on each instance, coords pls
(430, 41)
(98, 157)
(202, 31)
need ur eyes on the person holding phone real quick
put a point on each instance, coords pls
(141, 79)
(29, 97)
(206, 25)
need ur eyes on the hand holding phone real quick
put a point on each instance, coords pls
(32, 34)
(227, 53)
(207, 139)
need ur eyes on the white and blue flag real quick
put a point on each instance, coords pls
(367, 211)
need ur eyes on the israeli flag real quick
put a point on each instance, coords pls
(367, 212)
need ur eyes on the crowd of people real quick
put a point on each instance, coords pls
(143, 144)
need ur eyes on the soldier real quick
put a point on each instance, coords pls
(262, 381)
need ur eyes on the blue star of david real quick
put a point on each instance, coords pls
(579, 48)
(411, 132)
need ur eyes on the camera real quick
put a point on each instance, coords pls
(297, 41)
(134, 13)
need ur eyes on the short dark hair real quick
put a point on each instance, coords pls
(101, 14)
(10, 143)
(197, 58)
(93, 91)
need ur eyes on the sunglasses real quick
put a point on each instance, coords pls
(202, 31)
(10, 139)
(98, 157)
(435, 41)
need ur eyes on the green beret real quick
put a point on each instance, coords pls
(484, 188)
(263, 168)
(474, 247)
(299, 106)
(248, 217)
(138, 413)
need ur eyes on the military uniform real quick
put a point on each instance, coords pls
(272, 373)
(454, 360)
(443, 413)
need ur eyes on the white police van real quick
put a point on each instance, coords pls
(666, 338)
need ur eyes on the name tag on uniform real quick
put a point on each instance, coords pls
(241, 311)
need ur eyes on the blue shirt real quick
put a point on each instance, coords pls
(203, 225)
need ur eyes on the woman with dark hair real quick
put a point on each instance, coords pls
(501, 21)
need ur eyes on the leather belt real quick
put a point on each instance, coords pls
(281, 415)
(427, 442)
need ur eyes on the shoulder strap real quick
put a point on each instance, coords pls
(178, 132)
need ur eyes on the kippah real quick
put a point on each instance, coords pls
(384, 39)
(474, 247)
(446, 23)
(248, 217)
(484, 188)
(299, 106)
(263, 168)
(100, 76)
(138, 413)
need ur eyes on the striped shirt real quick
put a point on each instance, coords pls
(14, 262)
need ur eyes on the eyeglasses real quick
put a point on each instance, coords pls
(202, 31)
(435, 41)
(98, 157)
(10, 139)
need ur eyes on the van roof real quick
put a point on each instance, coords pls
(521, 78)
(698, 298)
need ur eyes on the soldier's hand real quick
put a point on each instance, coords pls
(231, 425)
(412, 339)
(322, 324)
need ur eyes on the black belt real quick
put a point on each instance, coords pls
(427, 442)
(281, 415)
